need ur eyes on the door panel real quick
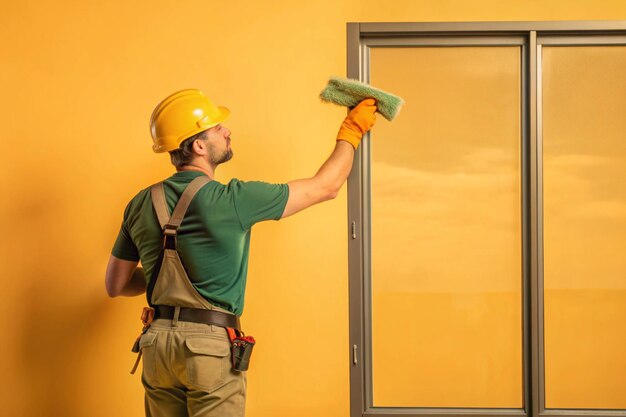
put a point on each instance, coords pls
(446, 229)
(584, 178)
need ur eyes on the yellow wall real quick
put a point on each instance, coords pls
(78, 82)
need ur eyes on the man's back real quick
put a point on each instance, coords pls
(214, 238)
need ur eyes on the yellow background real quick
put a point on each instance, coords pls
(79, 80)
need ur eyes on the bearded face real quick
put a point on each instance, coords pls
(219, 155)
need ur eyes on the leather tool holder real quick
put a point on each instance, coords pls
(241, 349)
(147, 316)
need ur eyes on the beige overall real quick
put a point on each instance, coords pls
(186, 365)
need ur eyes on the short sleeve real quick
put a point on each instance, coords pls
(124, 248)
(256, 201)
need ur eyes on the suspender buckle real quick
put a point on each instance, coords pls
(170, 230)
(169, 236)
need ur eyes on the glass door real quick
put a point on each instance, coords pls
(446, 229)
(584, 227)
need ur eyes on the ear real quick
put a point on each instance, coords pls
(200, 147)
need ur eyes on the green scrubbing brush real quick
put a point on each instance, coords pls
(347, 92)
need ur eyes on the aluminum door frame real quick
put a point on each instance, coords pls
(530, 36)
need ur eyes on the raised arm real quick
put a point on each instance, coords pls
(327, 182)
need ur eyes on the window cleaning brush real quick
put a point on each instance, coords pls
(349, 93)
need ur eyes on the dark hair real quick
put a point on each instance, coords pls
(184, 154)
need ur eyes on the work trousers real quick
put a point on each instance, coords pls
(187, 371)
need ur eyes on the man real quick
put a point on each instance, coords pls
(194, 260)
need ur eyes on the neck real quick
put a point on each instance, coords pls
(205, 168)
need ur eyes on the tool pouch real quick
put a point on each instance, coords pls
(147, 316)
(241, 349)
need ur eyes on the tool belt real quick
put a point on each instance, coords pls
(241, 345)
(198, 315)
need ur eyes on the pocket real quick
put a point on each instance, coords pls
(207, 360)
(147, 345)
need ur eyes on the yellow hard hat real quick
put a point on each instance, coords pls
(182, 115)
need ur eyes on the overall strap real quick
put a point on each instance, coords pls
(158, 202)
(170, 224)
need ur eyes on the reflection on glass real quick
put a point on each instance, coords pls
(446, 229)
(584, 157)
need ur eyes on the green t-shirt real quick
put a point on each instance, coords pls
(214, 237)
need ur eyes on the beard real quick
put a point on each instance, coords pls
(220, 158)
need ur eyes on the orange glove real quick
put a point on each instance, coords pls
(359, 120)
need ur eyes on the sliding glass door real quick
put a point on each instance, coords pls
(584, 218)
(446, 229)
(487, 222)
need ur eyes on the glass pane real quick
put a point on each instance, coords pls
(446, 229)
(584, 177)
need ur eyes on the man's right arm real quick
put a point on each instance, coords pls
(123, 277)
(327, 182)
